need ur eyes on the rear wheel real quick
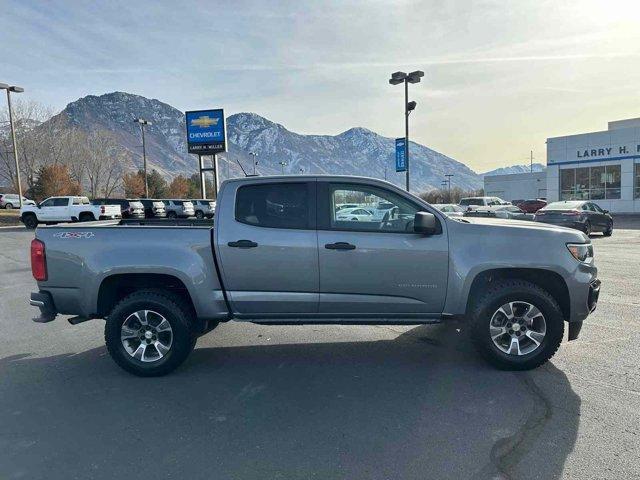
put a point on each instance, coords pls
(86, 217)
(199, 215)
(8, 206)
(30, 220)
(516, 325)
(587, 228)
(149, 333)
(172, 215)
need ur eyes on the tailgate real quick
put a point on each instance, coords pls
(110, 210)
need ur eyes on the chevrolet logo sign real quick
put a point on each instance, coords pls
(204, 121)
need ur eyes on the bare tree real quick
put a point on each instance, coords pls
(103, 163)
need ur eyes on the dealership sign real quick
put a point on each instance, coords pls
(206, 133)
(401, 159)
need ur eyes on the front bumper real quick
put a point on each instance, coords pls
(44, 302)
(592, 302)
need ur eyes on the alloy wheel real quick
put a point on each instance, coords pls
(146, 335)
(517, 328)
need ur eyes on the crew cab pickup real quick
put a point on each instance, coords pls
(66, 209)
(278, 254)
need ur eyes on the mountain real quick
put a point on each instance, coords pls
(357, 151)
(537, 167)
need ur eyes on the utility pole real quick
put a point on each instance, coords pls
(9, 89)
(531, 163)
(397, 78)
(449, 175)
(142, 122)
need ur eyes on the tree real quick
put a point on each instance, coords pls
(194, 187)
(54, 180)
(157, 184)
(103, 163)
(179, 187)
(133, 184)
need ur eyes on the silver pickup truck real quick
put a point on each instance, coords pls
(278, 254)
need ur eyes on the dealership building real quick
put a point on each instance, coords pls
(600, 166)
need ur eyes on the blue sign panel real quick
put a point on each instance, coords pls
(206, 132)
(401, 160)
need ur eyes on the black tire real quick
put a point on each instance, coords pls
(354, 219)
(30, 220)
(8, 206)
(609, 231)
(86, 217)
(172, 214)
(504, 291)
(587, 228)
(174, 309)
(199, 215)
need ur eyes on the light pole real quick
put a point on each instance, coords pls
(283, 164)
(9, 89)
(449, 175)
(255, 161)
(401, 77)
(142, 123)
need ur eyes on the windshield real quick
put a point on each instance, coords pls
(471, 201)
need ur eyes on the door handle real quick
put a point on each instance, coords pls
(340, 246)
(243, 244)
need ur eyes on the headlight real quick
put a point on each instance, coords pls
(583, 252)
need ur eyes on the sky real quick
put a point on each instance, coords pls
(500, 76)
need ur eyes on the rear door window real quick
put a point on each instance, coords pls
(276, 205)
(61, 202)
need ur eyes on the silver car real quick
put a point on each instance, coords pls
(179, 208)
(450, 209)
(204, 208)
(510, 212)
(11, 200)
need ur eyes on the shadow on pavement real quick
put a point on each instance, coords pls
(420, 406)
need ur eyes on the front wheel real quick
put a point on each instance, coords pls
(30, 221)
(172, 215)
(587, 228)
(516, 325)
(199, 215)
(609, 231)
(149, 333)
(8, 206)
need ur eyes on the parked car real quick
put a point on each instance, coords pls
(471, 203)
(153, 208)
(179, 208)
(355, 214)
(451, 209)
(346, 205)
(272, 256)
(531, 206)
(128, 208)
(12, 200)
(66, 209)
(510, 212)
(204, 208)
(579, 214)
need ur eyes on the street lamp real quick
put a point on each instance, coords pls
(9, 89)
(283, 164)
(142, 123)
(255, 161)
(396, 79)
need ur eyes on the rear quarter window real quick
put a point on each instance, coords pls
(282, 205)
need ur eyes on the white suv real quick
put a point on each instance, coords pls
(11, 200)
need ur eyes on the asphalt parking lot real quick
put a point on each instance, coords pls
(321, 402)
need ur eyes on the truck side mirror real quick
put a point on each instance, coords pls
(425, 223)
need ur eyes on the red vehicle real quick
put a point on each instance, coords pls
(532, 206)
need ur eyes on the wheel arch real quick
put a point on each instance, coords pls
(115, 287)
(548, 280)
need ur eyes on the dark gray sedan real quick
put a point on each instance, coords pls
(579, 214)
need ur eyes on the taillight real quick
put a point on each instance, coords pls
(38, 260)
(102, 209)
(572, 213)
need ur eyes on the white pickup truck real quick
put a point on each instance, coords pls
(66, 209)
